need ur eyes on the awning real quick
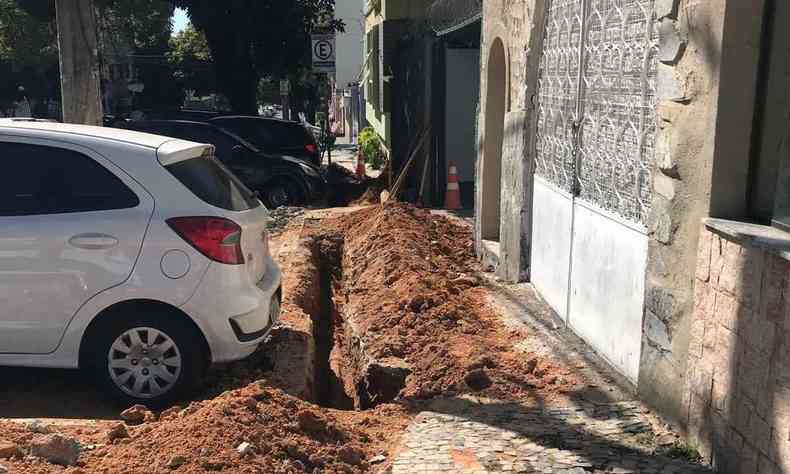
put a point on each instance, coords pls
(447, 16)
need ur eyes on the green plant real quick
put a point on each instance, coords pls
(681, 450)
(370, 144)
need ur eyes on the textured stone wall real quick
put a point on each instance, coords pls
(708, 58)
(511, 22)
(736, 397)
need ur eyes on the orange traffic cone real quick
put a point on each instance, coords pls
(361, 171)
(452, 199)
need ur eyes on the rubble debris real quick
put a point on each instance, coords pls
(56, 449)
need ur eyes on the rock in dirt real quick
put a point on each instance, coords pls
(3, 469)
(137, 414)
(310, 422)
(351, 455)
(477, 379)
(176, 461)
(378, 459)
(36, 426)
(56, 449)
(481, 362)
(171, 412)
(9, 450)
(245, 448)
(118, 431)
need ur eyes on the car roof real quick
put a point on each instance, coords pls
(168, 150)
(114, 134)
(252, 117)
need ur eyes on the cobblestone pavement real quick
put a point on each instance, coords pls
(473, 436)
(600, 430)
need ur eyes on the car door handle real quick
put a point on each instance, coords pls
(93, 241)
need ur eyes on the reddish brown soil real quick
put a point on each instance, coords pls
(289, 435)
(409, 281)
(410, 286)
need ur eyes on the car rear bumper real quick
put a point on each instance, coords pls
(234, 313)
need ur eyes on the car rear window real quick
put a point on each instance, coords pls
(209, 180)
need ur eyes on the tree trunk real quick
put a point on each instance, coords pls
(236, 74)
(241, 87)
(79, 62)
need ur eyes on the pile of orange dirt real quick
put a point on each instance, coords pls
(410, 288)
(249, 430)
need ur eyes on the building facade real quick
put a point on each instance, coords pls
(628, 156)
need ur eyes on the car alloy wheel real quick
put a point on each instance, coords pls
(278, 196)
(144, 362)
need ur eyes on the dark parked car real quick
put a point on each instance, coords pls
(281, 180)
(273, 135)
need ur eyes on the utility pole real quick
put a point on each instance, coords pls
(79, 62)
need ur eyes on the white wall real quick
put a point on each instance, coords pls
(551, 245)
(462, 85)
(608, 287)
(349, 45)
(590, 267)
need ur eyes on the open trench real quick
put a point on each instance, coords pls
(344, 376)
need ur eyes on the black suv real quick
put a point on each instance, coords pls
(273, 135)
(281, 180)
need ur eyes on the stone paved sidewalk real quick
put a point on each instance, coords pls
(477, 436)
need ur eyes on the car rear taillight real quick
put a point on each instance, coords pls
(310, 148)
(215, 237)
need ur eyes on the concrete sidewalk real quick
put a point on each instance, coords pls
(345, 155)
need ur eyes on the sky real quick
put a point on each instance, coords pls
(180, 20)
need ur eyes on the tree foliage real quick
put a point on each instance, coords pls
(190, 55)
(144, 25)
(250, 39)
(28, 51)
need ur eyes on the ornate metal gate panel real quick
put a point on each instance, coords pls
(597, 139)
(618, 99)
(558, 91)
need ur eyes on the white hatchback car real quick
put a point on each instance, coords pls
(136, 256)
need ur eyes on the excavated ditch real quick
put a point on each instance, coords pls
(343, 375)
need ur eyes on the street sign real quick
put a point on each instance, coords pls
(323, 53)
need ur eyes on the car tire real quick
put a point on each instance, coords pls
(152, 360)
(283, 192)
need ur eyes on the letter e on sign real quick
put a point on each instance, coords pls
(323, 53)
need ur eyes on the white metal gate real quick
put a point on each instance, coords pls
(594, 147)
(596, 112)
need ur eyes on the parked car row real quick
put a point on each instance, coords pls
(138, 257)
(280, 179)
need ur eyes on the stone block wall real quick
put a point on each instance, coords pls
(736, 398)
(510, 21)
(707, 74)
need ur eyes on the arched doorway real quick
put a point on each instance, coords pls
(496, 96)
